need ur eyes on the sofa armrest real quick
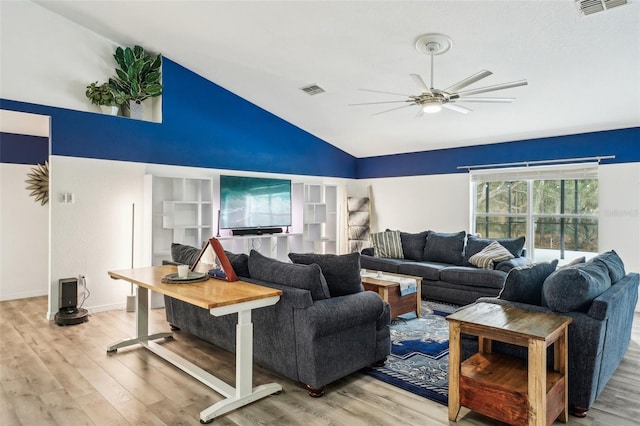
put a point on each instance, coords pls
(621, 296)
(337, 313)
(507, 265)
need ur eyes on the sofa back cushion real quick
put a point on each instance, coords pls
(307, 277)
(477, 244)
(387, 244)
(524, 283)
(613, 264)
(239, 263)
(413, 244)
(574, 288)
(184, 254)
(444, 247)
(342, 272)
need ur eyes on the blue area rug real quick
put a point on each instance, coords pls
(419, 359)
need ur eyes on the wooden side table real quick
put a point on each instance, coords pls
(389, 291)
(504, 387)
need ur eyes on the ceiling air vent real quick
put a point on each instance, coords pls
(313, 89)
(587, 7)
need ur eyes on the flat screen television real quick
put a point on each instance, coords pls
(250, 202)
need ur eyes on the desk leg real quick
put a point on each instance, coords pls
(537, 382)
(454, 370)
(142, 323)
(244, 394)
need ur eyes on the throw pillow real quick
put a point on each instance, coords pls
(444, 247)
(524, 283)
(613, 263)
(307, 277)
(239, 263)
(387, 244)
(494, 252)
(574, 262)
(476, 244)
(342, 272)
(413, 244)
(573, 289)
(184, 254)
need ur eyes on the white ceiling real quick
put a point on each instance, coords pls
(583, 72)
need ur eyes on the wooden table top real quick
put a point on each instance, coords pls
(205, 294)
(511, 320)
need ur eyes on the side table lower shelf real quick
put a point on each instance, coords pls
(496, 385)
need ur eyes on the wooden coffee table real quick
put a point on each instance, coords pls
(506, 388)
(389, 291)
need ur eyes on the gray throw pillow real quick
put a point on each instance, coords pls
(184, 254)
(307, 277)
(239, 263)
(524, 283)
(342, 272)
(613, 263)
(477, 244)
(444, 247)
(573, 289)
(387, 244)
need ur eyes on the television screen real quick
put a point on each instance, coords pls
(249, 202)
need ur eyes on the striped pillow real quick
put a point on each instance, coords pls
(387, 244)
(494, 252)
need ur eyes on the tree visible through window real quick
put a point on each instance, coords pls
(555, 215)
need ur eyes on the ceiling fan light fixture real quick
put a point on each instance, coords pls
(432, 107)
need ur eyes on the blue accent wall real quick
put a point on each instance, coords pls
(23, 149)
(624, 144)
(203, 125)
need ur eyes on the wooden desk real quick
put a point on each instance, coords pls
(220, 298)
(389, 291)
(502, 387)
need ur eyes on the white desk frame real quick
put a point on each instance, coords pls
(243, 393)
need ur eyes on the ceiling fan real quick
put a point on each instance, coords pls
(432, 100)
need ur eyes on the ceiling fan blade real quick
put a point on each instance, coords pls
(420, 83)
(489, 89)
(393, 109)
(388, 93)
(486, 100)
(373, 103)
(467, 81)
(457, 108)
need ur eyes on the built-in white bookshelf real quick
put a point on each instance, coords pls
(320, 218)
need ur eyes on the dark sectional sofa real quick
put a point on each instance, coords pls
(599, 296)
(324, 327)
(442, 260)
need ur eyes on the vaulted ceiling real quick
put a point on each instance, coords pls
(583, 71)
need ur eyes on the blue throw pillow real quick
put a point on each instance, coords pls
(307, 277)
(342, 272)
(524, 283)
(574, 288)
(613, 263)
(444, 247)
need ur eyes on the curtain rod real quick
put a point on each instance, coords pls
(538, 162)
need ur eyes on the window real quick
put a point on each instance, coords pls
(556, 208)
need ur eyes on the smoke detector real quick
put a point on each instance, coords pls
(588, 7)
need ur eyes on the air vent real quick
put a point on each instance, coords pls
(313, 89)
(588, 7)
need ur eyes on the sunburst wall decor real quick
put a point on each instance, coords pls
(39, 182)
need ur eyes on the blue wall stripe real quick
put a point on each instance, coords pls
(23, 149)
(624, 144)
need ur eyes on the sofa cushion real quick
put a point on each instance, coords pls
(613, 263)
(444, 247)
(489, 256)
(470, 276)
(574, 288)
(574, 262)
(385, 264)
(184, 254)
(239, 263)
(342, 272)
(413, 244)
(427, 270)
(477, 244)
(387, 244)
(524, 283)
(307, 277)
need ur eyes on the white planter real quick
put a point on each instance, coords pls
(108, 109)
(136, 110)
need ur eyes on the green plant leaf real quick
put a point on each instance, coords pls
(138, 51)
(128, 56)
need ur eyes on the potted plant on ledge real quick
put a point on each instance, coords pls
(138, 77)
(104, 96)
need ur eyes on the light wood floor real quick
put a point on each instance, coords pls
(52, 375)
